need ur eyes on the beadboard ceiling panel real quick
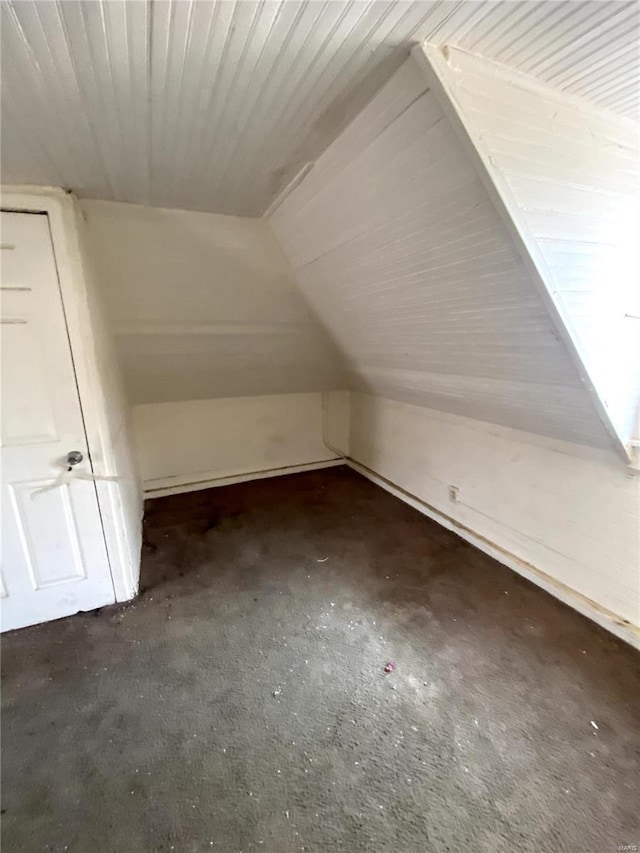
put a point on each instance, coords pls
(402, 255)
(216, 106)
(573, 198)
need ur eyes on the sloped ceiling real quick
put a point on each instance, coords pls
(203, 306)
(567, 175)
(403, 257)
(215, 106)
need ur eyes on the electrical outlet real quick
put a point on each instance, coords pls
(453, 494)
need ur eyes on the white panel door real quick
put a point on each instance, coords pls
(54, 559)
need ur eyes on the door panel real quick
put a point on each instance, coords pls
(29, 418)
(54, 559)
(48, 533)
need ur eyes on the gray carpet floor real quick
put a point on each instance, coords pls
(240, 704)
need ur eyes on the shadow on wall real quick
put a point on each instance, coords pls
(205, 306)
(341, 110)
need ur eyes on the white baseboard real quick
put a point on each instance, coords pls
(603, 617)
(177, 485)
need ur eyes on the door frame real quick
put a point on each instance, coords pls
(61, 209)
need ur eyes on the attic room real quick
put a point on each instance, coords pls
(328, 534)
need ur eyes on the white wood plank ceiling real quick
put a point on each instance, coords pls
(401, 254)
(217, 105)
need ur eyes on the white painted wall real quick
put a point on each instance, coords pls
(401, 253)
(223, 360)
(569, 515)
(203, 306)
(202, 443)
(568, 175)
(124, 523)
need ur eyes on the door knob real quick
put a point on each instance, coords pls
(73, 458)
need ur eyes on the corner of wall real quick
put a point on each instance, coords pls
(570, 526)
(123, 501)
(336, 422)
